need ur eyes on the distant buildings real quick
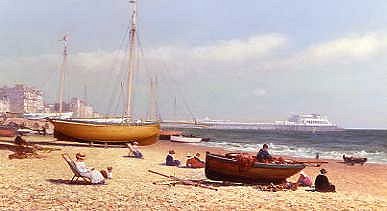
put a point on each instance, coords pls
(22, 99)
(4, 105)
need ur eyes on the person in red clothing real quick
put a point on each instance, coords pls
(195, 162)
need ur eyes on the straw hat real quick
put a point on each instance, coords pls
(323, 171)
(189, 155)
(80, 156)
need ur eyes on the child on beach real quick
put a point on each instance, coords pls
(195, 162)
(95, 176)
(170, 161)
(304, 180)
(134, 151)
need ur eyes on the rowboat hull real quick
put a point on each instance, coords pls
(145, 134)
(183, 139)
(7, 132)
(166, 134)
(222, 168)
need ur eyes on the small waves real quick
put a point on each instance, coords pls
(369, 144)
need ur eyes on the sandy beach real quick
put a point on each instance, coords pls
(40, 184)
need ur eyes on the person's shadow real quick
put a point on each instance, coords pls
(68, 182)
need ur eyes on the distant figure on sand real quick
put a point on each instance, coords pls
(95, 176)
(263, 155)
(322, 183)
(195, 162)
(134, 151)
(170, 160)
(304, 180)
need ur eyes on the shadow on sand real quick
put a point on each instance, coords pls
(67, 182)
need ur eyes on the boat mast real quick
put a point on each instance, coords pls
(132, 58)
(62, 72)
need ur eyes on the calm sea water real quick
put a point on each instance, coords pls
(365, 143)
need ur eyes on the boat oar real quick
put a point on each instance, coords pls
(184, 182)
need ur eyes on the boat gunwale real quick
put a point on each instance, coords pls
(257, 164)
(93, 123)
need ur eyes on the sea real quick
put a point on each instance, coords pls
(371, 144)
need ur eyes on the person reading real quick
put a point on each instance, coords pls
(263, 155)
(95, 176)
(322, 183)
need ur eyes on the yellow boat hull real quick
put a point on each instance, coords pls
(145, 134)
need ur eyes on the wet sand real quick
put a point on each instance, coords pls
(39, 184)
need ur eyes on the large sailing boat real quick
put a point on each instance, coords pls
(127, 130)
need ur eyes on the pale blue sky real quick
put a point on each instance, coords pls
(250, 60)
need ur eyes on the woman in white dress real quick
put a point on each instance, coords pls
(94, 175)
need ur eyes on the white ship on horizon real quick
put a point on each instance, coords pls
(306, 122)
(297, 122)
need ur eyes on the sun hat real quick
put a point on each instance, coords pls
(80, 156)
(188, 155)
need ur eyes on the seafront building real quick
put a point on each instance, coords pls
(4, 105)
(22, 98)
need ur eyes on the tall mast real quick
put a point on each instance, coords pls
(62, 72)
(132, 58)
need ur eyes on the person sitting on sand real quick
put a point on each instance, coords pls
(95, 176)
(195, 162)
(134, 151)
(170, 161)
(304, 180)
(263, 155)
(322, 183)
(108, 173)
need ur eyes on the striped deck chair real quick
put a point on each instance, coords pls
(74, 169)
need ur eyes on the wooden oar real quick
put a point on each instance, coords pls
(184, 182)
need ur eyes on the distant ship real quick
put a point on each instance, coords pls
(298, 122)
(306, 122)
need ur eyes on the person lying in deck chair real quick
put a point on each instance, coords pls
(134, 151)
(95, 176)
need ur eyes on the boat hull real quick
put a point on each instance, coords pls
(183, 139)
(7, 132)
(222, 168)
(145, 134)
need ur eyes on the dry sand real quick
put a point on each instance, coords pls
(40, 184)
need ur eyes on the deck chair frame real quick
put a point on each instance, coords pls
(74, 169)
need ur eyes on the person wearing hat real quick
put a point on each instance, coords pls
(322, 183)
(304, 180)
(95, 176)
(194, 162)
(263, 155)
(134, 151)
(170, 160)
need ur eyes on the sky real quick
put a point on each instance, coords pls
(247, 61)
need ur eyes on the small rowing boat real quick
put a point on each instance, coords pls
(236, 168)
(185, 139)
(7, 131)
